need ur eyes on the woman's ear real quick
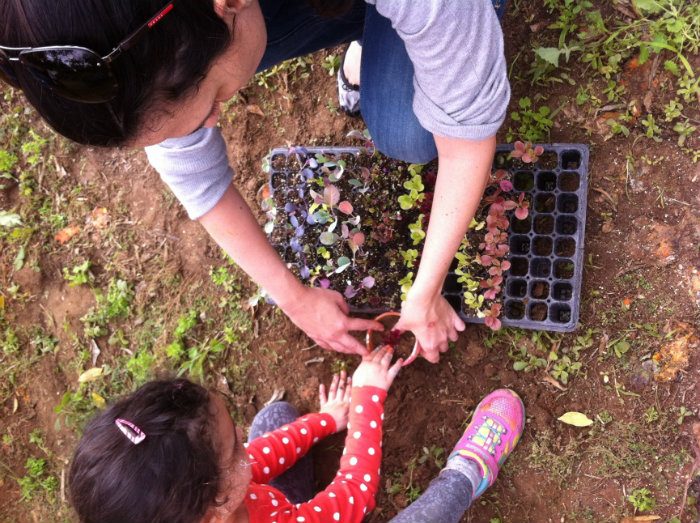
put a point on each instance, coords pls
(226, 8)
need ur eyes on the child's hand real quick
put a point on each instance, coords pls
(376, 369)
(337, 403)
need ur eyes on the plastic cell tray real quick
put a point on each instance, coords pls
(542, 288)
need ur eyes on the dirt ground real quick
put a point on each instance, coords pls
(640, 285)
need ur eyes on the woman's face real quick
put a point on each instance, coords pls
(230, 72)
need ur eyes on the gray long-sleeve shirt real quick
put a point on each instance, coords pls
(460, 81)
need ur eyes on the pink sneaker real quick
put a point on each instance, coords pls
(492, 434)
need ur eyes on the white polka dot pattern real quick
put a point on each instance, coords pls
(349, 497)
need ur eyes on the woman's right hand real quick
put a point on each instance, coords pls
(323, 315)
(376, 369)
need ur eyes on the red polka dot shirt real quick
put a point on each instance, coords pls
(350, 495)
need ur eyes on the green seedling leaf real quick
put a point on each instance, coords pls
(577, 419)
(328, 238)
(343, 263)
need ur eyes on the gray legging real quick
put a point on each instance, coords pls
(444, 501)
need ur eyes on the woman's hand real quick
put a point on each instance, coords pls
(337, 403)
(323, 315)
(376, 369)
(433, 322)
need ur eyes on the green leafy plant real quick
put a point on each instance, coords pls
(642, 500)
(533, 124)
(79, 275)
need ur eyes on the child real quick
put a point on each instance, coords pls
(171, 452)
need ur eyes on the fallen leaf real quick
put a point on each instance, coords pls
(98, 400)
(640, 519)
(549, 379)
(90, 375)
(277, 395)
(66, 234)
(608, 226)
(675, 355)
(255, 109)
(99, 217)
(318, 359)
(94, 351)
(577, 419)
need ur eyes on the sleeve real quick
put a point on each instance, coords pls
(195, 167)
(460, 77)
(274, 452)
(351, 494)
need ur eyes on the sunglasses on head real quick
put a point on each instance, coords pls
(71, 71)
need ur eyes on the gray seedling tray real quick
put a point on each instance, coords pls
(542, 289)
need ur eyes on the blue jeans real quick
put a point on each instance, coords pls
(386, 81)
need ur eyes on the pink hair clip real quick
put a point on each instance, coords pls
(131, 431)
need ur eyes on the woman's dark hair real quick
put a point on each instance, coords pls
(171, 476)
(166, 65)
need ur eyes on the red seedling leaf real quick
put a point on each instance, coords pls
(490, 294)
(486, 260)
(521, 213)
(358, 239)
(510, 204)
(345, 207)
(506, 185)
(539, 150)
(505, 265)
(66, 234)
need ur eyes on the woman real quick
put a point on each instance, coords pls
(153, 73)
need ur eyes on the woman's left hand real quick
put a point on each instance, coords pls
(433, 322)
(337, 402)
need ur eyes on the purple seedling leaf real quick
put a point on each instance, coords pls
(299, 232)
(294, 221)
(295, 245)
(307, 173)
(350, 292)
(344, 231)
(311, 219)
(305, 272)
(325, 283)
(368, 282)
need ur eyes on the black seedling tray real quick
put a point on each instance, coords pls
(542, 289)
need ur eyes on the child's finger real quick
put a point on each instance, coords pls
(395, 368)
(322, 394)
(333, 388)
(341, 385)
(348, 391)
(386, 359)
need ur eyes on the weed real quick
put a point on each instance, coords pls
(651, 414)
(642, 500)
(435, 455)
(331, 63)
(79, 275)
(684, 413)
(37, 481)
(534, 124)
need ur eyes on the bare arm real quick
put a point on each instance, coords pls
(322, 314)
(463, 171)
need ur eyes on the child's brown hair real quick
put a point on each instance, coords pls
(172, 475)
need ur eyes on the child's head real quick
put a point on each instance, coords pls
(190, 460)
